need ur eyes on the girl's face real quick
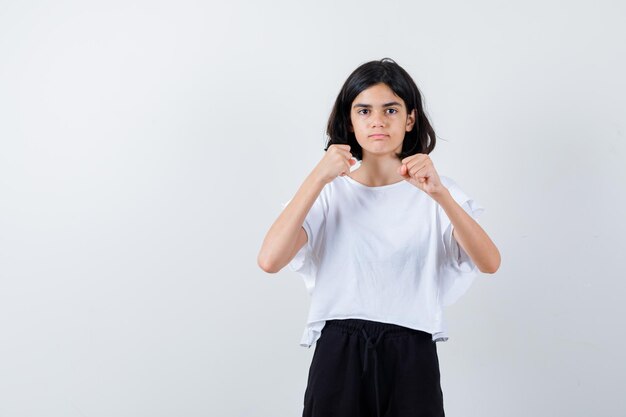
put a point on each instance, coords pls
(380, 120)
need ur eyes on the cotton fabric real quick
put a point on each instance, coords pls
(384, 254)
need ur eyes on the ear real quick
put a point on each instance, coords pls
(410, 120)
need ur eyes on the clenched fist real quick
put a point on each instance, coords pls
(337, 161)
(419, 170)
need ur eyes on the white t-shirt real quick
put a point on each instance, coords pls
(383, 253)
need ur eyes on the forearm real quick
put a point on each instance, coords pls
(468, 233)
(279, 243)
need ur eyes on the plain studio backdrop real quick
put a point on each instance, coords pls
(147, 147)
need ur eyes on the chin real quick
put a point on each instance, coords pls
(383, 150)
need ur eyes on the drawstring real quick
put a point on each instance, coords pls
(369, 345)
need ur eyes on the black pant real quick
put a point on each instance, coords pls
(364, 368)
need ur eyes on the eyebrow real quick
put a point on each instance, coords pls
(369, 106)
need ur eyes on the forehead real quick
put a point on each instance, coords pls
(378, 95)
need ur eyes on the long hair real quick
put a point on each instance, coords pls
(421, 139)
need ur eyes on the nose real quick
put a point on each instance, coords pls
(377, 120)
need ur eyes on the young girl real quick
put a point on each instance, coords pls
(382, 249)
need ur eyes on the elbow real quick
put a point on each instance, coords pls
(493, 266)
(267, 265)
(489, 270)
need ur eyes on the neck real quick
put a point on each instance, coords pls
(376, 171)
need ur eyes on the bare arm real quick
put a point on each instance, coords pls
(287, 236)
(468, 233)
(419, 170)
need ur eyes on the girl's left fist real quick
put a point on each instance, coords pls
(419, 170)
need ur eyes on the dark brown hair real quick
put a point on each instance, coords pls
(421, 139)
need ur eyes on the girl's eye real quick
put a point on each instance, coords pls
(363, 111)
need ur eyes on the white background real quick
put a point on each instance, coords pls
(146, 148)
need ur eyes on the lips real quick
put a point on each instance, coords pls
(378, 136)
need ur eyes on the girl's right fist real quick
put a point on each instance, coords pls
(337, 161)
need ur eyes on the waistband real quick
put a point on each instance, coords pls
(374, 328)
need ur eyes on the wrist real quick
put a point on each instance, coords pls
(440, 194)
(317, 180)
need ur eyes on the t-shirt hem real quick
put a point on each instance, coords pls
(313, 329)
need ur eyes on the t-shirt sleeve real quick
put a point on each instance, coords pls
(458, 269)
(306, 260)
